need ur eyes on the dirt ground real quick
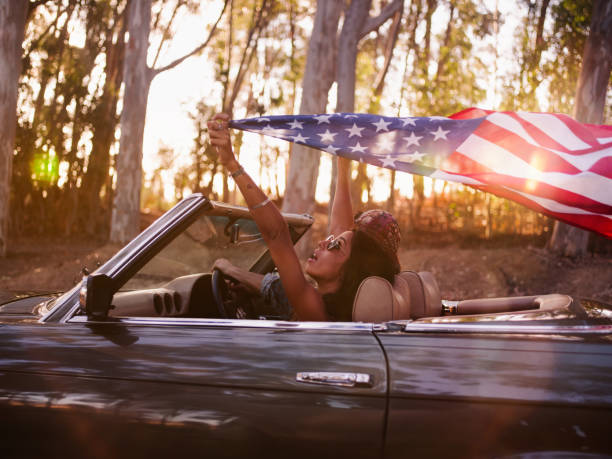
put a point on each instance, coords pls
(56, 265)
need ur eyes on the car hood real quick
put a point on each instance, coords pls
(15, 301)
(6, 296)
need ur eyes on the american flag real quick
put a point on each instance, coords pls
(547, 162)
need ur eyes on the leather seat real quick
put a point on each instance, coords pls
(412, 295)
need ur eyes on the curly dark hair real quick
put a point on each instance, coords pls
(366, 259)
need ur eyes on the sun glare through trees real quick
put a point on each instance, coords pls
(250, 58)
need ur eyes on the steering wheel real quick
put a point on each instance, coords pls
(234, 304)
(220, 292)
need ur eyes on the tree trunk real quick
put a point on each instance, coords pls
(444, 50)
(137, 78)
(568, 240)
(13, 15)
(391, 198)
(357, 24)
(354, 21)
(596, 66)
(318, 77)
(432, 5)
(103, 127)
(418, 196)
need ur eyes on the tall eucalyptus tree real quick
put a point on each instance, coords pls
(332, 56)
(319, 74)
(358, 23)
(13, 15)
(137, 78)
(591, 95)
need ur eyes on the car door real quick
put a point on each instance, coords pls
(495, 391)
(136, 387)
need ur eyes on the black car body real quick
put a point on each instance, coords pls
(163, 375)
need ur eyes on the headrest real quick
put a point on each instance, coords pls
(411, 296)
(377, 301)
(424, 294)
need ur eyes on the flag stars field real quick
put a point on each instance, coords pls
(385, 144)
(413, 139)
(328, 136)
(300, 138)
(322, 119)
(358, 148)
(268, 130)
(354, 131)
(295, 124)
(416, 156)
(388, 161)
(381, 125)
(439, 133)
(408, 122)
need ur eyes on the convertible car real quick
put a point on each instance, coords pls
(152, 355)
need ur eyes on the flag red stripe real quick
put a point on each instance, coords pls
(603, 167)
(599, 131)
(470, 113)
(581, 130)
(458, 163)
(534, 187)
(538, 157)
(538, 135)
(597, 223)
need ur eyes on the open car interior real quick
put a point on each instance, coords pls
(176, 281)
(413, 296)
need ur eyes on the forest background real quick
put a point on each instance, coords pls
(77, 109)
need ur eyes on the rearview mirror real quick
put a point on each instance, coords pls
(95, 295)
(234, 233)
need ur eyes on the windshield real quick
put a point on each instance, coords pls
(196, 249)
(218, 231)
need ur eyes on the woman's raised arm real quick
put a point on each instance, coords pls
(341, 217)
(306, 301)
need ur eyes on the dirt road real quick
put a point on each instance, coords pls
(461, 273)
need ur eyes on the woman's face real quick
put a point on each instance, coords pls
(326, 262)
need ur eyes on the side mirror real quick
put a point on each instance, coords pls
(95, 296)
(232, 230)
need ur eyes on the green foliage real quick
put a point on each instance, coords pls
(259, 55)
(456, 83)
(60, 91)
(553, 61)
(204, 163)
(263, 38)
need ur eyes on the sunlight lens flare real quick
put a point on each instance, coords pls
(535, 173)
(44, 167)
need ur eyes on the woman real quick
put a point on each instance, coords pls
(358, 248)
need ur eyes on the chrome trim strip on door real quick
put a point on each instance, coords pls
(410, 327)
(508, 329)
(182, 321)
(333, 378)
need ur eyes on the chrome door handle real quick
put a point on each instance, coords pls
(332, 378)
